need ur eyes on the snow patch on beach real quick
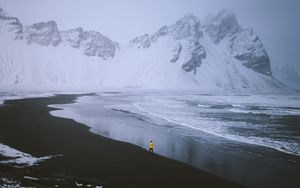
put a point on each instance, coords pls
(19, 158)
(8, 183)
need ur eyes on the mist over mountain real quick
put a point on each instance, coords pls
(290, 77)
(214, 53)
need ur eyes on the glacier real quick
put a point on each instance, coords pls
(211, 54)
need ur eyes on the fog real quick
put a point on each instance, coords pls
(275, 21)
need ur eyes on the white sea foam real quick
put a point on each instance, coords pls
(238, 105)
(237, 110)
(268, 111)
(283, 146)
(203, 106)
(221, 129)
(175, 110)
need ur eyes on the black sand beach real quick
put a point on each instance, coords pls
(87, 158)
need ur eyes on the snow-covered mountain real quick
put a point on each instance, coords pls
(243, 44)
(216, 53)
(42, 33)
(11, 25)
(92, 43)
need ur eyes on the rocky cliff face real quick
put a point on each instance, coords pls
(209, 54)
(92, 43)
(185, 35)
(223, 25)
(71, 37)
(44, 33)
(224, 30)
(249, 50)
(11, 24)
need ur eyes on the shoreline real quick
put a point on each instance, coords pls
(233, 161)
(87, 157)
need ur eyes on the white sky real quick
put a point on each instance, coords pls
(275, 21)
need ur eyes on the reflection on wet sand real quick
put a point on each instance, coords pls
(252, 165)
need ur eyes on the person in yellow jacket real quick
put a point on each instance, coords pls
(151, 146)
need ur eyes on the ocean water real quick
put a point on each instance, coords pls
(269, 121)
(230, 135)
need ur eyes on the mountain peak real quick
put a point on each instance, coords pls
(91, 42)
(189, 18)
(224, 13)
(187, 26)
(175, 56)
(222, 25)
(79, 29)
(3, 13)
(38, 26)
(12, 24)
(43, 33)
(187, 21)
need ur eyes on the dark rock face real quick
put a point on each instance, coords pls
(183, 29)
(92, 43)
(160, 33)
(175, 53)
(259, 64)
(198, 53)
(243, 44)
(185, 33)
(145, 40)
(43, 33)
(72, 37)
(187, 27)
(139, 39)
(249, 50)
(188, 30)
(13, 25)
(146, 44)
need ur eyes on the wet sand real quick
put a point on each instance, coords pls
(87, 158)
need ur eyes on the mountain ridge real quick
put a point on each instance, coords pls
(189, 47)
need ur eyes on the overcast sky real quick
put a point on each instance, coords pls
(275, 21)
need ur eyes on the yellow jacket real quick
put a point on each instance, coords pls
(151, 145)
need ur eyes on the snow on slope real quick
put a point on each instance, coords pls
(224, 30)
(10, 24)
(35, 65)
(183, 55)
(290, 77)
(214, 68)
